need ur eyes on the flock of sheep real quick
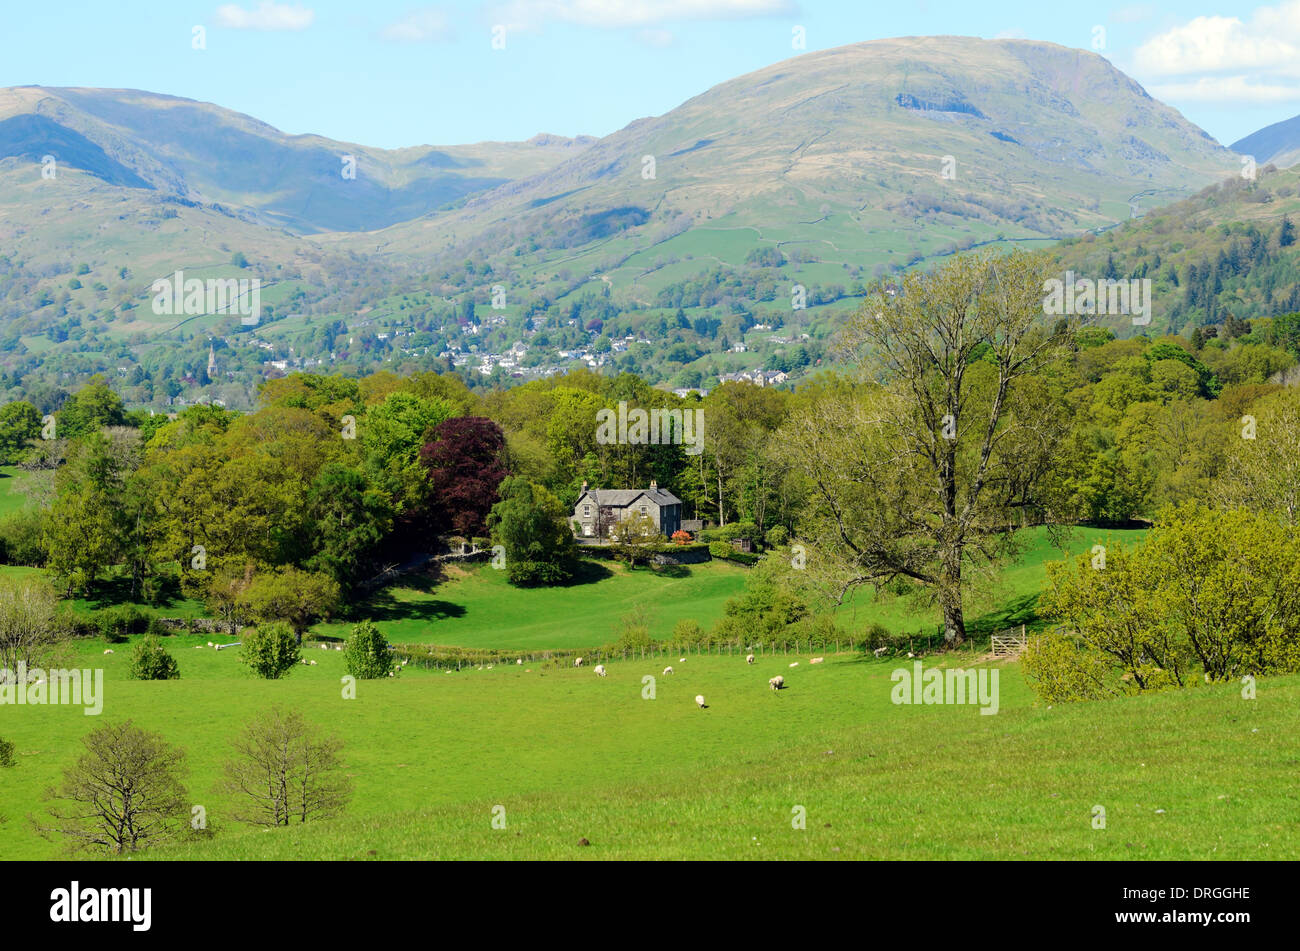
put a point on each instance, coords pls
(774, 683)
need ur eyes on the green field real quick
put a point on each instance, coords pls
(1199, 773)
(479, 608)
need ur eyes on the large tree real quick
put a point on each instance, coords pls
(918, 469)
(465, 462)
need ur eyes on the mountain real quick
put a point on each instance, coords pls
(1277, 144)
(673, 247)
(202, 153)
(843, 152)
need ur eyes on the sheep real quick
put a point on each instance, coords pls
(210, 644)
(880, 651)
(313, 663)
(816, 660)
(324, 647)
(795, 664)
(749, 659)
(519, 662)
(681, 660)
(667, 671)
(577, 662)
(108, 652)
(699, 700)
(777, 682)
(338, 647)
(599, 670)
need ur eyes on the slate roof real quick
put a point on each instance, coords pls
(622, 498)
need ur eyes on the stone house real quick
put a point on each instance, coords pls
(599, 510)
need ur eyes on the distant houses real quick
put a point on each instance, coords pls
(598, 511)
(757, 377)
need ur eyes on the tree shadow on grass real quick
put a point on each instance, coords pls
(1022, 610)
(110, 592)
(383, 606)
(585, 571)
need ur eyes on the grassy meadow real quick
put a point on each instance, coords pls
(1194, 774)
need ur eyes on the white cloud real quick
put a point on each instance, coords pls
(659, 39)
(267, 16)
(422, 26)
(614, 14)
(1133, 14)
(1227, 89)
(1269, 39)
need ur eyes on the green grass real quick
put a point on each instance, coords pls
(479, 608)
(17, 487)
(1197, 774)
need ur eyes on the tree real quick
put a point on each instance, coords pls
(348, 519)
(271, 650)
(285, 771)
(150, 661)
(1263, 465)
(531, 524)
(291, 595)
(918, 470)
(367, 654)
(637, 535)
(125, 793)
(1217, 590)
(20, 423)
(31, 625)
(465, 466)
(91, 408)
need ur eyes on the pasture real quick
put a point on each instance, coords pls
(1194, 774)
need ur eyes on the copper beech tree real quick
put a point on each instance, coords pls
(919, 466)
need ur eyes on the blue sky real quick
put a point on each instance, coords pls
(391, 74)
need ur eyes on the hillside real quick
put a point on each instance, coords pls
(802, 180)
(1230, 249)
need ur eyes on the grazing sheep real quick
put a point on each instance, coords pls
(313, 663)
(749, 659)
(816, 660)
(795, 664)
(198, 647)
(699, 701)
(777, 682)
(879, 651)
(210, 644)
(599, 670)
(667, 671)
(519, 662)
(681, 660)
(577, 662)
(338, 647)
(108, 652)
(324, 647)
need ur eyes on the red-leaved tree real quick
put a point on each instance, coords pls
(465, 464)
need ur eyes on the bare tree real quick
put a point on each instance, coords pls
(286, 771)
(918, 470)
(125, 792)
(30, 624)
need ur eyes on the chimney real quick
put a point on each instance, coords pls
(654, 486)
(584, 485)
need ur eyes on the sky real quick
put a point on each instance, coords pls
(393, 73)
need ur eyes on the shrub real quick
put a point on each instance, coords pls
(271, 650)
(688, 633)
(150, 661)
(118, 623)
(681, 537)
(6, 752)
(777, 536)
(720, 549)
(1058, 671)
(367, 654)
